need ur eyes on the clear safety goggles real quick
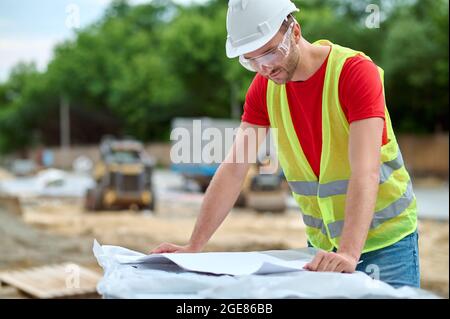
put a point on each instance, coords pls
(271, 58)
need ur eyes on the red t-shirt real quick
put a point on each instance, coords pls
(360, 93)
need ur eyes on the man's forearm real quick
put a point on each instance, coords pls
(220, 197)
(359, 209)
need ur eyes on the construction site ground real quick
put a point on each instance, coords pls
(59, 230)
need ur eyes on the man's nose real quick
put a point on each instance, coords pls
(265, 69)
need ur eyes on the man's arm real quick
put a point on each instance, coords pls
(223, 190)
(364, 156)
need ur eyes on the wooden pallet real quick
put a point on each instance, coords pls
(53, 281)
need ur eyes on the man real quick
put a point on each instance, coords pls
(335, 144)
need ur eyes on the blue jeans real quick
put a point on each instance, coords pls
(397, 265)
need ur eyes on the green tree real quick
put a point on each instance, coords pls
(138, 67)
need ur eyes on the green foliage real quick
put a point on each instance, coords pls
(24, 102)
(416, 57)
(140, 66)
(411, 45)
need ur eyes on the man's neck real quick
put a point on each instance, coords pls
(311, 59)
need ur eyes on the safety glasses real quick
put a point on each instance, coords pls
(271, 58)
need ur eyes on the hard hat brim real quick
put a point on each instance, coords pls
(234, 52)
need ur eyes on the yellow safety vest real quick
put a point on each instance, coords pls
(322, 200)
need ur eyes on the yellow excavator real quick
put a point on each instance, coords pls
(123, 177)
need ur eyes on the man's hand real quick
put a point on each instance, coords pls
(172, 248)
(332, 262)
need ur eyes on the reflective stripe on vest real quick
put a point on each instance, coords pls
(340, 187)
(381, 216)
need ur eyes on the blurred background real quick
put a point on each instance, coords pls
(89, 94)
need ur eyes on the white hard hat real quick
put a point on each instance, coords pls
(253, 23)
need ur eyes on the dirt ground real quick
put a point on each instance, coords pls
(5, 175)
(51, 231)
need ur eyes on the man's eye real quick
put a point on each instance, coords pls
(268, 51)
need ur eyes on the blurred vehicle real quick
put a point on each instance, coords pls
(123, 177)
(201, 166)
(262, 192)
(23, 167)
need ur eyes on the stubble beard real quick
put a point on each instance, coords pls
(289, 68)
(292, 64)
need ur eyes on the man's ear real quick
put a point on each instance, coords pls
(297, 32)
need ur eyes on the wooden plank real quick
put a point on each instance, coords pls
(53, 281)
(11, 204)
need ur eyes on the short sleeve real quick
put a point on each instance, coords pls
(255, 107)
(361, 91)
